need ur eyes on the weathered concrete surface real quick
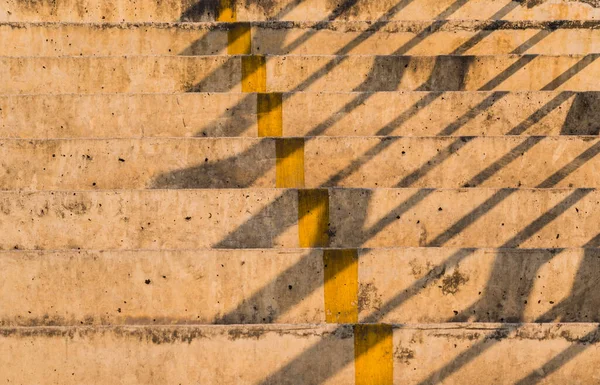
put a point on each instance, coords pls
(300, 73)
(463, 218)
(452, 162)
(262, 218)
(137, 163)
(148, 219)
(175, 355)
(440, 113)
(366, 162)
(127, 116)
(66, 39)
(330, 114)
(455, 354)
(403, 285)
(434, 285)
(432, 73)
(161, 287)
(249, 10)
(444, 37)
(134, 74)
(496, 354)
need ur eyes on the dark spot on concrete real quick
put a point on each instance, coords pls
(188, 218)
(121, 160)
(147, 282)
(368, 297)
(404, 355)
(451, 283)
(242, 333)
(199, 10)
(76, 207)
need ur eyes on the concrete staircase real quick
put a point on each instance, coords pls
(299, 192)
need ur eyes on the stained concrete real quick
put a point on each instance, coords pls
(313, 10)
(465, 219)
(174, 355)
(300, 73)
(365, 162)
(259, 218)
(161, 287)
(444, 37)
(548, 354)
(264, 286)
(304, 114)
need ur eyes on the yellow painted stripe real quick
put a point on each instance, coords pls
(341, 285)
(226, 11)
(313, 218)
(290, 162)
(239, 39)
(254, 74)
(373, 360)
(269, 110)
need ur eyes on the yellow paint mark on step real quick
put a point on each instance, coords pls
(226, 11)
(373, 360)
(341, 285)
(313, 218)
(290, 162)
(269, 111)
(254, 74)
(239, 39)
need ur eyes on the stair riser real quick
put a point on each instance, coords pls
(498, 162)
(300, 355)
(271, 286)
(170, 10)
(269, 218)
(283, 39)
(367, 114)
(298, 73)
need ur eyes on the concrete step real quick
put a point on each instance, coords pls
(303, 354)
(366, 162)
(295, 286)
(147, 74)
(440, 37)
(328, 114)
(311, 10)
(264, 218)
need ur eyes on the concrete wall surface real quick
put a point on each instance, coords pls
(273, 192)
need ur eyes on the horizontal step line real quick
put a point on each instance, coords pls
(290, 250)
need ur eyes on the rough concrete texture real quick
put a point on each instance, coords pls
(141, 74)
(441, 113)
(161, 287)
(312, 10)
(367, 192)
(127, 116)
(304, 114)
(176, 355)
(432, 73)
(366, 162)
(305, 354)
(253, 218)
(303, 38)
(403, 285)
(136, 74)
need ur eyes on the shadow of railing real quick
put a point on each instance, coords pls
(310, 358)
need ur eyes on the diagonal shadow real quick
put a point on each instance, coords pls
(437, 271)
(526, 233)
(551, 366)
(532, 228)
